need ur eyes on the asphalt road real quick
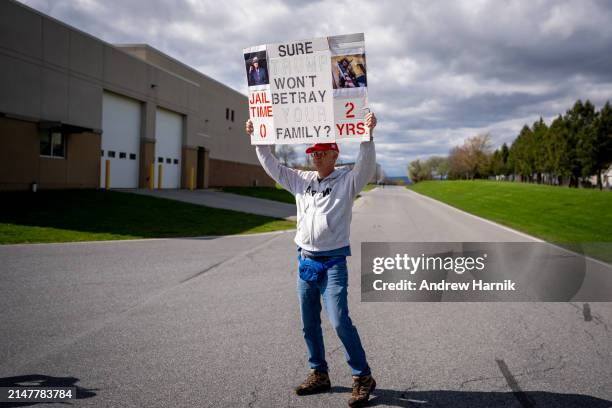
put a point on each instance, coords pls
(215, 323)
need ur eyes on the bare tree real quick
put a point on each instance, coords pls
(470, 159)
(479, 152)
(286, 154)
(419, 170)
(458, 162)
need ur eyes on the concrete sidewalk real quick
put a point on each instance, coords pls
(227, 201)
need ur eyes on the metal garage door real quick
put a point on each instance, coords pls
(120, 140)
(168, 142)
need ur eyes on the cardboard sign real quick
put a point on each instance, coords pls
(310, 91)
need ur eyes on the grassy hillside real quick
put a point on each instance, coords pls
(579, 217)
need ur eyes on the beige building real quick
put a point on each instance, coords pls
(73, 106)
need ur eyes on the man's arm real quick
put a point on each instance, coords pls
(287, 177)
(365, 165)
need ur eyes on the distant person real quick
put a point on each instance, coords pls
(324, 200)
(257, 74)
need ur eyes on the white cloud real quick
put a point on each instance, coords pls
(438, 72)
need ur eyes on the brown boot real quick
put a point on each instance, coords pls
(317, 381)
(362, 387)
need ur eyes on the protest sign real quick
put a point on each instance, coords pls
(309, 91)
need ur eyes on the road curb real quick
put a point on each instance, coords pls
(511, 229)
(478, 217)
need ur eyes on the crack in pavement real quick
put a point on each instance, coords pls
(599, 354)
(413, 385)
(204, 271)
(464, 383)
(335, 349)
(539, 354)
(69, 341)
(527, 372)
(598, 320)
(590, 316)
(253, 397)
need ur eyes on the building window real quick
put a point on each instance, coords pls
(175, 161)
(102, 153)
(227, 116)
(160, 159)
(132, 156)
(111, 153)
(122, 155)
(232, 115)
(52, 144)
(168, 160)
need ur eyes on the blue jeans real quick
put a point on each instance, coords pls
(334, 289)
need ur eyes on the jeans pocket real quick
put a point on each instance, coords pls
(337, 275)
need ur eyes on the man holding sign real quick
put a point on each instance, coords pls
(324, 200)
(257, 74)
(313, 91)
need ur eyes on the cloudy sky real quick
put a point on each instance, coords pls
(438, 72)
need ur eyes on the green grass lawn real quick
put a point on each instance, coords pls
(92, 215)
(277, 193)
(577, 218)
(369, 187)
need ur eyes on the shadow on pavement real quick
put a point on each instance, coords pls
(478, 399)
(40, 380)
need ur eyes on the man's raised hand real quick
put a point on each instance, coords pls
(370, 122)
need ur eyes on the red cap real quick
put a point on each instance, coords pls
(321, 147)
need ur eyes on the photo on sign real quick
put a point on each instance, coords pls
(349, 71)
(256, 68)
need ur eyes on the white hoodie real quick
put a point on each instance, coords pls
(324, 209)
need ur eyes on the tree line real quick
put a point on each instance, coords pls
(570, 150)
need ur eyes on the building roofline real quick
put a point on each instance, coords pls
(171, 58)
(93, 37)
